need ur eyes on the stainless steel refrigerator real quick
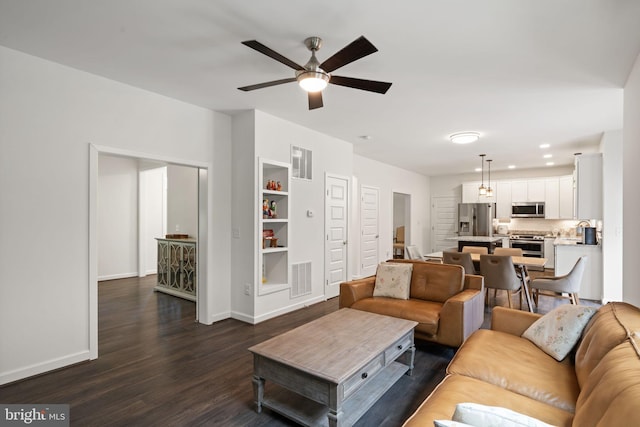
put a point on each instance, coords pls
(476, 219)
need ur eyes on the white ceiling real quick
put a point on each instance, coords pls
(520, 72)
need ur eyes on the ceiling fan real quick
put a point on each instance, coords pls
(314, 76)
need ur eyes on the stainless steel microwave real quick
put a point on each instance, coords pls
(527, 210)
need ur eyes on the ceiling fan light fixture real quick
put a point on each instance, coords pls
(464, 137)
(313, 81)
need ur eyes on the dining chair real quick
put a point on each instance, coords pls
(475, 250)
(521, 270)
(398, 242)
(558, 286)
(499, 273)
(459, 258)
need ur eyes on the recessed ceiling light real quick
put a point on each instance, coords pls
(545, 145)
(464, 137)
(548, 156)
(366, 137)
(477, 169)
(511, 166)
(550, 163)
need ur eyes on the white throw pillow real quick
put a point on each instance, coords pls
(559, 330)
(449, 423)
(393, 280)
(492, 416)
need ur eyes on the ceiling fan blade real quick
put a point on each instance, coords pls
(315, 100)
(267, 84)
(357, 49)
(256, 45)
(370, 85)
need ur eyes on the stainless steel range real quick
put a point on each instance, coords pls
(532, 245)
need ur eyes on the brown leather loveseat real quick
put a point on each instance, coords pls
(447, 304)
(598, 386)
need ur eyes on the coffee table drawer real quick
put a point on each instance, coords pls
(399, 347)
(363, 375)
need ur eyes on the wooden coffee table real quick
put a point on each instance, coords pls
(332, 370)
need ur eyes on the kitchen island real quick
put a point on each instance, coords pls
(489, 242)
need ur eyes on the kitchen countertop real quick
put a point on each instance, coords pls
(570, 241)
(474, 238)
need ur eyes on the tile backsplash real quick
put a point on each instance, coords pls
(557, 227)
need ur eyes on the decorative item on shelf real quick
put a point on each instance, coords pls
(272, 209)
(267, 237)
(279, 186)
(265, 208)
(482, 190)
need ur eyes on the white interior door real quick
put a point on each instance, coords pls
(444, 213)
(336, 231)
(370, 232)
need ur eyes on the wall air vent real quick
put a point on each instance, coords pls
(300, 279)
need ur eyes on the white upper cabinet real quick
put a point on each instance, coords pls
(552, 198)
(588, 174)
(471, 193)
(530, 190)
(503, 199)
(565, 184)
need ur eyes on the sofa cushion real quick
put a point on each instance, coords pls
(558, 331)
(611, 393)
(436, 282)
(492, 416)
(393, 280)
(441, 403)
(518, 365)
(426, 313)
(607, 329)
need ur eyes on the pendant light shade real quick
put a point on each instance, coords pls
(482, 190)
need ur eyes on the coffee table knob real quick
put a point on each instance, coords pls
(400, 347)
(364, 375)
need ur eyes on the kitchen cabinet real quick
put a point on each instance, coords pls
(549, 252)
(503, 199)
(588, 186)
(470, 193)
(565, 187)
(531, 190)
(552, 198)
(566, 257)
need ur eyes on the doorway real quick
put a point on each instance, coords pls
(200, 230)
(401, 223)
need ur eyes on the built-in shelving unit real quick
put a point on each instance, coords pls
(274, 179)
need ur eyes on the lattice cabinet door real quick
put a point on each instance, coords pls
(177, 267)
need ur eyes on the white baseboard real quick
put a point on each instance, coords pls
(275, 313)
(41, 368)
(117, 276)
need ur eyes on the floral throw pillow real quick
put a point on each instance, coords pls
(393, 280)
(558, 331)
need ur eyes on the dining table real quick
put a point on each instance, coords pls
(521, 263)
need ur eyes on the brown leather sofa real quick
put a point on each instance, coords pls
(447, 304)
(599, 385)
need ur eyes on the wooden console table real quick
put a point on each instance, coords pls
(177, 267)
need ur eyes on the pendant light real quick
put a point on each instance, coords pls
(489, 189)
(482, 189)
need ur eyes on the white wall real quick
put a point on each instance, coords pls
(182, 200)
(117, 217)
(390, 179)
(273, 140)
(611, 148)
(49, 114)
(631, 178)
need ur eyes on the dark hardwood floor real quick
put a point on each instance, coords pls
(158, 367)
